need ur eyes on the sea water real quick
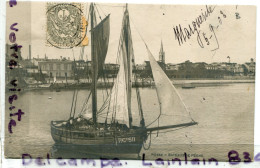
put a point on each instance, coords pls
(225, 114)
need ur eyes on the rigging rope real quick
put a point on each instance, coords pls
(75, 103)
(85, 103)
(157, 117)
(150, 141)
(121, 6)
(138, 31)
(138, 96)
(115, 81)
(105, 77)
(88, 97)
(101, 9)
(98, 12)
(72, 103)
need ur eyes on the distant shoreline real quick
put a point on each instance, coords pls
(208, 81)
(184, 83)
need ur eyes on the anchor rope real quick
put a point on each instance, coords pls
(150, 141)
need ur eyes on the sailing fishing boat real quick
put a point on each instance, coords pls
(110, 129)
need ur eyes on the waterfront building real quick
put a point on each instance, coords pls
(36, 61)
(239, 69)
(59, 68)
(81, 64)
(111, 66)
(250, 67)
(140, 66)
(29, 66)
(171, 66)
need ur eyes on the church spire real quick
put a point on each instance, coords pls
(162, 54)
(161, 50)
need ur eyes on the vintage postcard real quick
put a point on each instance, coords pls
(129, 81)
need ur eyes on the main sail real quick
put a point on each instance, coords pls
(99, 45)
(117, 110)
(126, 53)
(118, 105)
(172, 108)
(100, 35)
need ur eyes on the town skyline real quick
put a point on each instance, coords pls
(153, 32)
(228, 60)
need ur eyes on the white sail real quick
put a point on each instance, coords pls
(117, 103)
(171, 104)
(87, 110)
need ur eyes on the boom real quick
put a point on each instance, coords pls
(171, 126)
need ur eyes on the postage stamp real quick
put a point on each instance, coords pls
(66, 25)
(154, 82)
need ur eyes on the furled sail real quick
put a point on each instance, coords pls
(101, 34)
(171, 104)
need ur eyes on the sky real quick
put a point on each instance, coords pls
(233, 37)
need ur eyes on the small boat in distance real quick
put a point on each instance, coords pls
(110, 129)
(188, 86)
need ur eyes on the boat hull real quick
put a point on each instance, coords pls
(99, 142)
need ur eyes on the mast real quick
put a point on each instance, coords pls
(119, 104)
(99, 44)
(94, 69)
(131, 63)
(129, 55)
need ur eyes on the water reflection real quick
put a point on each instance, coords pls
(74, 151)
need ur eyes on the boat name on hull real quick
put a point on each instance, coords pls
(125, 140)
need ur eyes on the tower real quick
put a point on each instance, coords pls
(162, 54)
(30, 53)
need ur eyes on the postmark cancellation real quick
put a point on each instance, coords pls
(65, 25)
